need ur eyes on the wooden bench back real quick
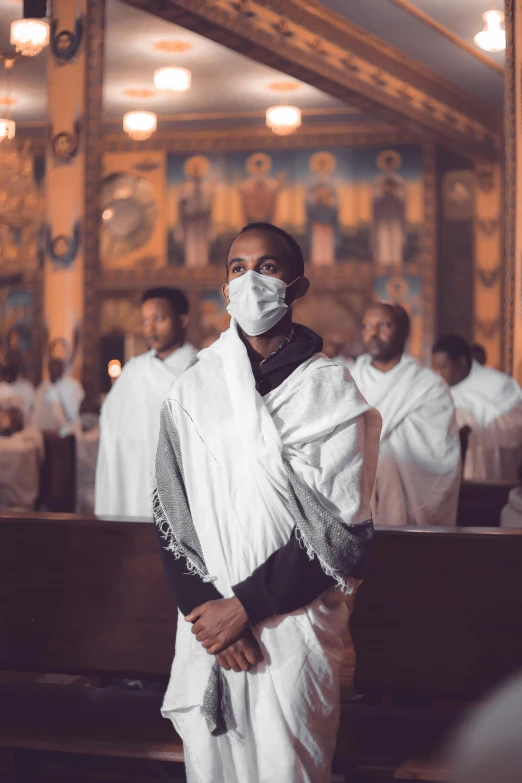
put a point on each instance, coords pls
(84, 597)
(439, 613)
(480, 503)
(58, 474)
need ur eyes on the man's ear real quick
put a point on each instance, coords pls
(298, 290)
(184, 321)
(224, 291)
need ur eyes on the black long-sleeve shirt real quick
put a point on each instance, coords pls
(288, 579)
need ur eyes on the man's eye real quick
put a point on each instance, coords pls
(237, 269)
(268, 268)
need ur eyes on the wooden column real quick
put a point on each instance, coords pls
(513, 188)
(73, 160)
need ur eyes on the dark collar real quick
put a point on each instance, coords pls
(300, 346)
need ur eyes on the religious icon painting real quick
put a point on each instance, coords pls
(65, 145)
(63, 248)
(65, 44)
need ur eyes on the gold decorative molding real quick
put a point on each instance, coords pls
(313, 48)
(260, 138)
(429, 21)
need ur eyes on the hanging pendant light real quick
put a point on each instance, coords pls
(173, 78)
(283, 120)
(7, 128)
(493, 37)
(140, 125)
(29, 36)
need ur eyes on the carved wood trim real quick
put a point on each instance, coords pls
(378, 86)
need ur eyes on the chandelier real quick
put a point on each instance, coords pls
(7, 128)
(29, 36)
(493, 37)
(140, 125)
(173, 78)
(283, 120)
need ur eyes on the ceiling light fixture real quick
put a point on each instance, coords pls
(493, 37)
(283, 120)
(140, 125)
(29, 36)
(173, 78)
(7, 128)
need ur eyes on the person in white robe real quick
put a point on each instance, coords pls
(13, 387)
(130, 415)
(489, 403)
(418, 475)
(265, 447)
(58, 400)
(21, 454)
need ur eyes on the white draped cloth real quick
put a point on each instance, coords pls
(511, 514)
(57, 405)
(129, 428)
(237, 448)
(490, 404)
(418, 475)
(20, 394)
(21, 455)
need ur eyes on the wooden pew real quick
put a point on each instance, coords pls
(435, 626)
(58, 474)
(436, 619)
(480, 503)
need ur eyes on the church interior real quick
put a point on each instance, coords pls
(137, 139)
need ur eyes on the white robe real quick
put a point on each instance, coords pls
(57, 405)
(233, 443)
(19, 393)
(418, 475)
(129, 428)
(20, 459)
(490, 403)
(511, 514)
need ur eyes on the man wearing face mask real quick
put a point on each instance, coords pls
(264, 473)
(418, 475)
(129, 422)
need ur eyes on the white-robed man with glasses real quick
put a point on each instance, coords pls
(264, 473)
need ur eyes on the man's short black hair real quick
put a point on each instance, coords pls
(176, 298)
(298, 263)
(454, 347)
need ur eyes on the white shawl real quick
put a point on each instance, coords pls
(419, 462)
(57, 405)
(490, 404)
(237, 451)
(129, 428)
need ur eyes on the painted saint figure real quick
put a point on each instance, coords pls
(322, 209)
(389, 212)
(259, 193)
(195, 211)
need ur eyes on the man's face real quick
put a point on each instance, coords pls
(268, 254)
(56, 369)
(381, 336)
(452, 370)
(162, 327)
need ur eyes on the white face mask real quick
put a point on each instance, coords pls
(257, 302)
